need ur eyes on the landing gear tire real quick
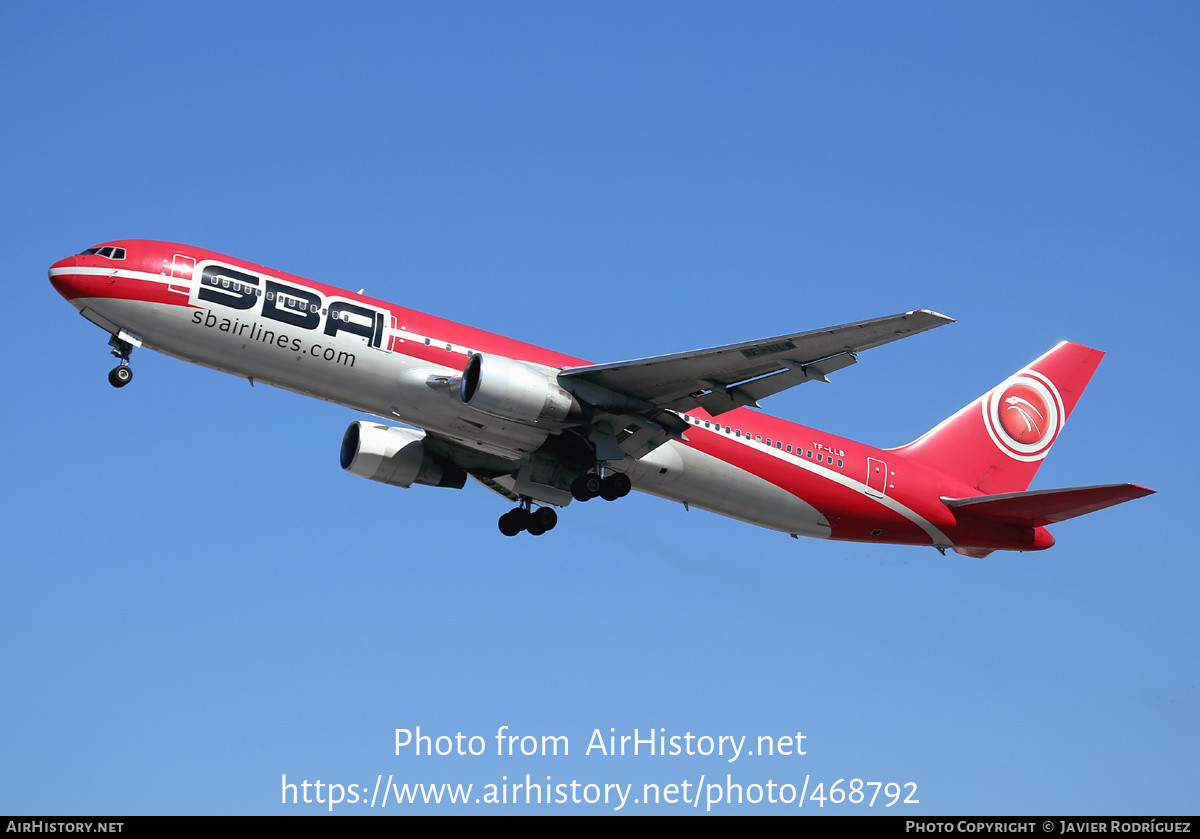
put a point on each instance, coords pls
(586, 487)
(541, 520)
(615, 485)
(120, 376)
(543, 517)
(514, 521)
(535, 522)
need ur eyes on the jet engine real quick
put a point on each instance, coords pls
(513, 390)
(396, 456)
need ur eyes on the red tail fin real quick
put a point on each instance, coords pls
(997, 443)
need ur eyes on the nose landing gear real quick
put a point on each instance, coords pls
(122, 374)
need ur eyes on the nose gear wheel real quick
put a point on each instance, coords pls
(122, 374)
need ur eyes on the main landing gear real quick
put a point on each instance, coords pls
(122, 374)
(612, 486)
(525, 517)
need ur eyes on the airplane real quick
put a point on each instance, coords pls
(543, 429)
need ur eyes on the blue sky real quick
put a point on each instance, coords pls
(199, 601)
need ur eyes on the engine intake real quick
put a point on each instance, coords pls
(513, 390)
(396, 456)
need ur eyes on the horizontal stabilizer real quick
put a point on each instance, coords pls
(1046, 506)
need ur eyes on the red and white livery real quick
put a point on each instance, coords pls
(544, 429)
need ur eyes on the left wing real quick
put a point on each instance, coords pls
(720, 379)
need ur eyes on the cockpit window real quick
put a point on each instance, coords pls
(109, 252)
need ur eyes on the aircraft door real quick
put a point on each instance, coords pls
(877, 477)
(182, 270)
(393, 340)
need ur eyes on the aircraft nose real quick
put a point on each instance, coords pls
(64, 280)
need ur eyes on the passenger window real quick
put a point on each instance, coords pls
(778, 444)
(789, 448)
(839, 464)
(808, 454)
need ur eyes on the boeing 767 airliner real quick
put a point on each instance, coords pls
(542, 429)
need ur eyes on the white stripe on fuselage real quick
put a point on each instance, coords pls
(123, 273)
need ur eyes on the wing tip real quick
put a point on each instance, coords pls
(933, 314)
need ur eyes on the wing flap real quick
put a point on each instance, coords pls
(722, 398)
(1046, 506)
(502, 491)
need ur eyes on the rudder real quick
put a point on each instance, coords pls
(997, 443)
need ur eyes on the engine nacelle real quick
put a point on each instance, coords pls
(396, 456)
(513, 390)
